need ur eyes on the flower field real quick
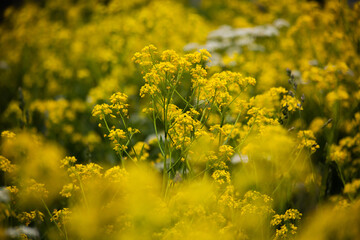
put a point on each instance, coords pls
(164, 119)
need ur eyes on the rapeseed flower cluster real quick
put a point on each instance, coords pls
(237, 120)
(286, 221)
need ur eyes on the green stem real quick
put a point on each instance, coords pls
(165, 174)
(156, 132)
(82, 190)
(51, 218)
(107, 126)
(182, 98)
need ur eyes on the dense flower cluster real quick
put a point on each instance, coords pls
(286, 222)
(234, 120)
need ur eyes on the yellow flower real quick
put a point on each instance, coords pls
(287, 229)
(5, 165)
(116, 136)
(101, 110)
(228, 198)
(36, 189)
(291, 103)
(12, 189)
(182, 129)
(339, 154)
(61, 217)
(353, 187)
(28, 217)
(116, 174)
(145, 57)
(8, 135)
(68, 161)
(88, 171)
(221, 176)
(119, 104)
(307, 140)
(202, 56)
(221, 88)
(68, 189)
(226, 151)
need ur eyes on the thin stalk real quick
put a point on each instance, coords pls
(107, 126)
(165, 174)
(182, 98)
(82, 190)
(51, 217)
(156, 132)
